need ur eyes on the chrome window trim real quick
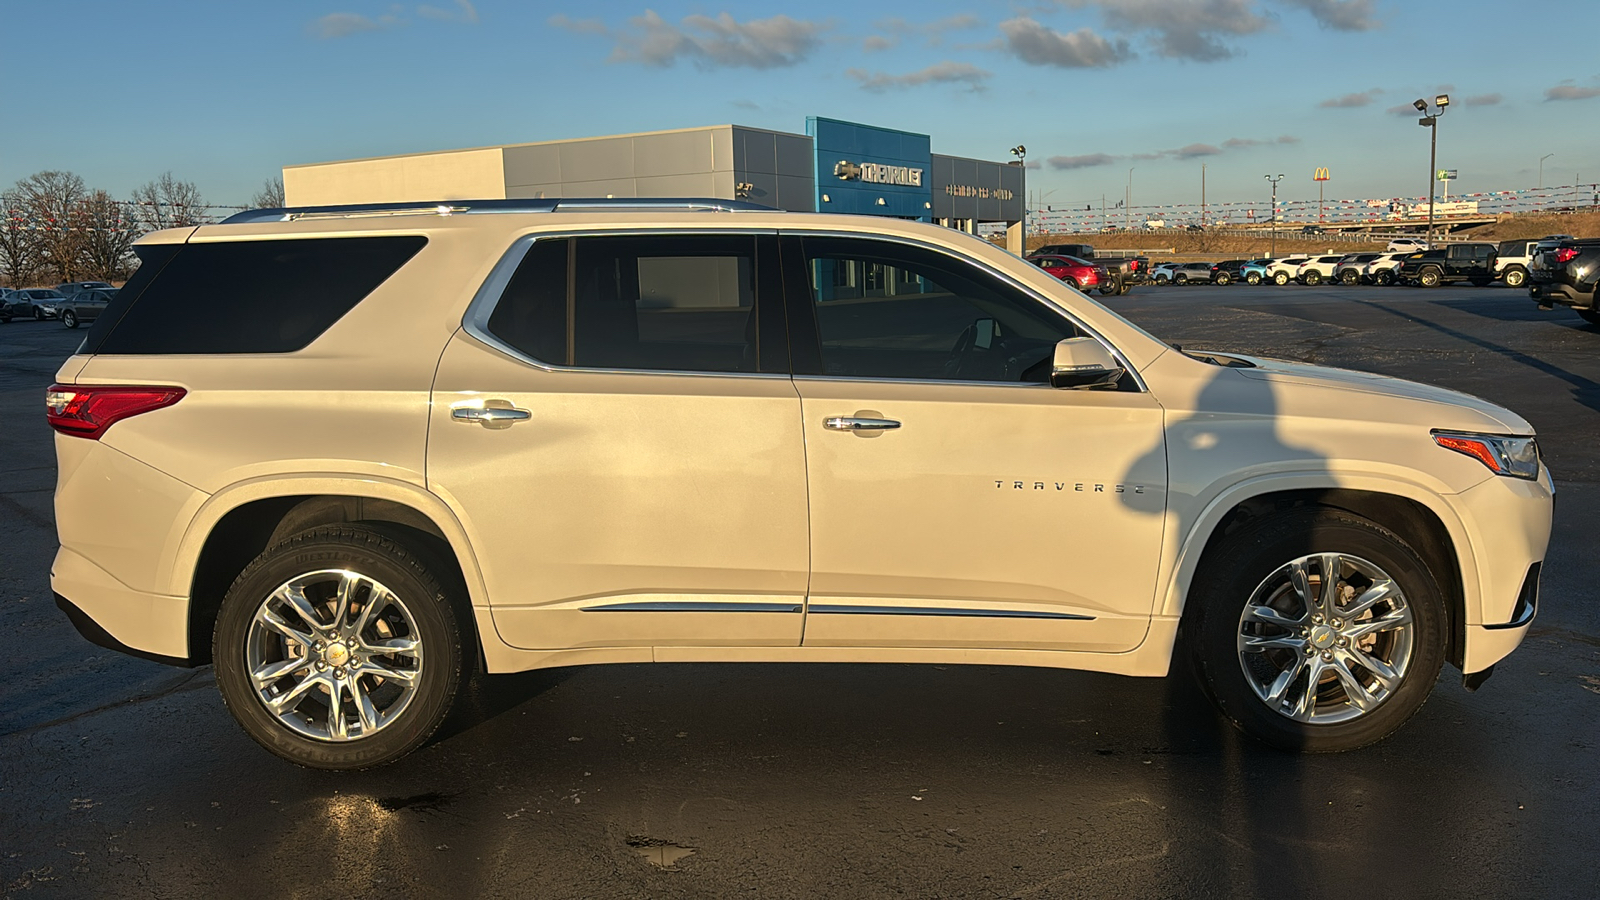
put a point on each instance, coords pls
(848, 610)
(975, 264)
(476, 319)
(738, 606)
(475, 322)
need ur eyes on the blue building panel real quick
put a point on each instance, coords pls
(872, 171)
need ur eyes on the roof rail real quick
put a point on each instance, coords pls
(452, 207)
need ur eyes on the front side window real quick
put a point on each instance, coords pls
(886, 310)
(682, 303)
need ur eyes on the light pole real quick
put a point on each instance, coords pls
(1127, 204)
(1431, 122)
(1541, 169)
(1274, 179)
(1021, 153)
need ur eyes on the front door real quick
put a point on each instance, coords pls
(618, 432)
(957, 500)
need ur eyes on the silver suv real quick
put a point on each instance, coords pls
(353, 455)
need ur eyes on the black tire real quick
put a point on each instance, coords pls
(1429, 277)
(1312, 278)
(1180, 278)
(5, 319)
(1253, 279)
(1349, 277)
(1280, 278)
(38, 314)
(1223, 278)
(1249, 559)
(1516, 276)
(1110, 286)
(404, 572)
(1591, 316)
(69, 318)
(1383, 278)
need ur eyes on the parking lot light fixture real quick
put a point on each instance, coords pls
(1431, 122)
(1274, 213)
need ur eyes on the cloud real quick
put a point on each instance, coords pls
(1570, 92)
(1404, 109)
(465, 13)
(1286, 139)
(1031, 164)
(338, 25)
(875, 42)
(946, 72)
(1195, 151)
(708, 41)
(1181, 29)
(745, 104)
(1087, 161)
(1340, 15)
(1038, 45)
(1483, 100)
(1350, 101)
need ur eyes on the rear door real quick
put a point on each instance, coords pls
(616, 427)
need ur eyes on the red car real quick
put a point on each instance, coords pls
(1081, 274)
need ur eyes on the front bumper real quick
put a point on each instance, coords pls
(1507, 523)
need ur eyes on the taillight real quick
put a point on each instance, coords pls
(1566, 254)
(87, 411)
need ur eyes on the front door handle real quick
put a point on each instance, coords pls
(858, 423)
(489, 415)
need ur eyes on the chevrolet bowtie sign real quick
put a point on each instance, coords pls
(877, 173)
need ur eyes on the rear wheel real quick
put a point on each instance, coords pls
(1316, 629)
(1280, 278)
(1253, 278)
(1109, 287)
(1349, 277)
(338, 649)
(1516, 276)
(1384, 278)
(69, 318)
(1312, 277)
(1428, 277)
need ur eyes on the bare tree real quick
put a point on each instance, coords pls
(21, 256)
(52, 199)
(169, 203)
(270, 196)
(110, 228)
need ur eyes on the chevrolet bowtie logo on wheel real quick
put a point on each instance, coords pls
(846, 170)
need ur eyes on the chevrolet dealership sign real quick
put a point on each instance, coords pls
(877, 173)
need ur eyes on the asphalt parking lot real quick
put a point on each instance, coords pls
(120, 777)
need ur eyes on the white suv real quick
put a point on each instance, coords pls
(400, 445)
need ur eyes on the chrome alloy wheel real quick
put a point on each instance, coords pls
(334, 655)
(1326, 638)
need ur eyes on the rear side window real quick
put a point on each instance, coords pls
(246, 296)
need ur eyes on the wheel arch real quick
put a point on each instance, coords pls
(1420, 517)
(237, 524)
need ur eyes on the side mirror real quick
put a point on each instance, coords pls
(1083, 363)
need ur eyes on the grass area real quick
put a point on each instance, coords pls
(1577, 224)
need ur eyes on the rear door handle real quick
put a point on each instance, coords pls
(489, 415)
(857, 423)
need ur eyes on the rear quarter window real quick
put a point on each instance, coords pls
(262, 296)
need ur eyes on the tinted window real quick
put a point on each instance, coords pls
(260, 296)
(669, 303)
(887, 310)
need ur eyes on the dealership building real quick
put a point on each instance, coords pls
(835, 166)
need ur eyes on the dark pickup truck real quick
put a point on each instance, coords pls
(1122, 274)
(1472, 262)
(1566, 272)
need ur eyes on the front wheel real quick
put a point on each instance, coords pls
(1280, 279)
(338, 649)
(38, 314)
(69, 319)
(1180, 279)
(1223, 278)
(1317, 630)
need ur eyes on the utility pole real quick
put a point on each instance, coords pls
(1541, 169)
(1127, 204)
(1202, 195)
(1274, 252)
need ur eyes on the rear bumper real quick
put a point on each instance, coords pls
(1545, 292)
(112, 615)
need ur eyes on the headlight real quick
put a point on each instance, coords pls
(1517, 457)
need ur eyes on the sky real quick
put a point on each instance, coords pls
(226, 94)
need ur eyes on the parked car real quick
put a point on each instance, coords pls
(1472, 262)
(1227, 271)
(1512, 259)
(1382, 271)
(1191, 273)
(1282, 271)
(1407, 244)
(1080, 273)
(84, 306)
(934, 453)
(42, 301)
(1350, 267)
(1312, 229)
(1566, 273)
(1317, 269)
(1255, 271)
(1120, 275)
(1161, 273)
(68, 288)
